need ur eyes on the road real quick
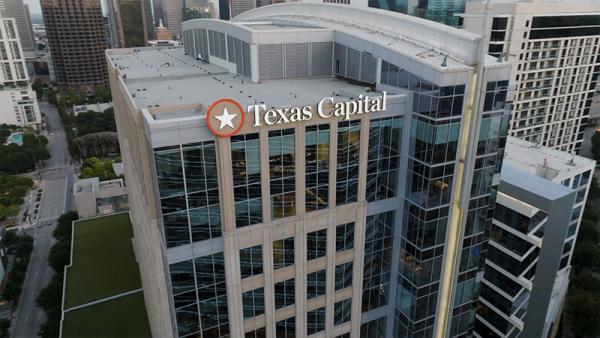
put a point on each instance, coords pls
(57, 183)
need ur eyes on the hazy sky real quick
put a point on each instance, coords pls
(34, 6)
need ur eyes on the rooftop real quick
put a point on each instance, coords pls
(398, 32)
(152, 83)
(103, 296)
(542, 161)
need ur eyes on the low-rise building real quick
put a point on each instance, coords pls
(94, 197)
(95, 107)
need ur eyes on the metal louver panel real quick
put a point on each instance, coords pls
(368, 68)
(296, 60)
(321, 58)
(270, 62)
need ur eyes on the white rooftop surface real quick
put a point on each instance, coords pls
(150, 63)
(185, 82)
(419, 38)
(532, 182)
(542, 161)
(270, 26)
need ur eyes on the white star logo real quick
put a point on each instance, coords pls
(226, 119)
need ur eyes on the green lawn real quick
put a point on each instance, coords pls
(103, 260)
(123, 317)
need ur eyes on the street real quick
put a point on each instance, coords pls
(57, 197)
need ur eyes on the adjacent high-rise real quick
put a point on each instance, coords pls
(539, 206)
(554, 49)
(17, 99)
(77, 40)
(17, 10)
(444, 11)
(311, 169)
(130, 22)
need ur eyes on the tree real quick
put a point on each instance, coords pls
(588, 232)
(596, 146)
(16, 159)
(585, 255)
(60, 256)
(97, 144)
(38, 87)
(4, 327)
(583, 312)
(102, 94)
(51, 94)
(92, 122)
(594, 192)
(64, 226)
(50, 297)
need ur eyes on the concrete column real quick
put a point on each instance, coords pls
(254, 63)
(231, 243)
(267, 234)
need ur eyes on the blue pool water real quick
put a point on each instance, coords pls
(16, 138)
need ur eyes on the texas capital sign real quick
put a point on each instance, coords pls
(225, 117)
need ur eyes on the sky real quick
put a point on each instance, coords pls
(34, 7)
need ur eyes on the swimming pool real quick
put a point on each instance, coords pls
(16, 138)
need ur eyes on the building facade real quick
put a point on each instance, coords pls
(301, 220)
(129, 23)
(17, 99)
(173, 16)
(20, 12)
(443, 11)
(554, 50)
(540, 203)
(77, 40)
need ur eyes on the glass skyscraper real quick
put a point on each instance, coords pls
(296, 173)
(443, 11)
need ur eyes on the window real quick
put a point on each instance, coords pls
(384, 157)
(190, 202)
(251, 261)
(254, 302)
(283, 253)
(258, 333)
(284, 293)
(286, 328)
(317, 167)
(315, 284)
(378, 251)
(343, 275)
(374, 328)
(245, 165)
(347, 162)
(282, 173)
(495, 97)
(207, 304)
(344, 237)
(316, 244)
(315, 321)
(342, 311)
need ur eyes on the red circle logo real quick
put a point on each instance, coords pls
(225, 117)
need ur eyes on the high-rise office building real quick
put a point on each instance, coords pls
(77, 40)
(539, 206)
(443, 11)
(129, 22)
(554, 48)
(173, 15)
(17, 10)
(311, 169)
(17, 99)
